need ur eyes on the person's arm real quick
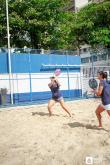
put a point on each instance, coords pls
(57, 82)
(99, 91)
(50, 84)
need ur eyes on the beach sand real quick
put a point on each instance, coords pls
(29, 137)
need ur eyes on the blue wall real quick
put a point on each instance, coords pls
(3, 63)
(33, 63)
(25, 63)
(41, 96)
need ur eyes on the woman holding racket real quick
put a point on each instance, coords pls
(54, 85)
(104, 92)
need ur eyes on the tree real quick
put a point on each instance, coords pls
(92, 25)
(47, 24)
(2, 23)
(37, 23)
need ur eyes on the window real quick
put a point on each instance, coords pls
(85, 60)
(93, 58)
(103, 57)
(108, 54)
(85, 50)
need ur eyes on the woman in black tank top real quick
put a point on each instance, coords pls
(54, 86)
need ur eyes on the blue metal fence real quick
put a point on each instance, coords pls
(30, 70)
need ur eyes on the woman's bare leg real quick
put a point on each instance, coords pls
(63, 105)
(50, 105)
(108, 111)
(99, 110)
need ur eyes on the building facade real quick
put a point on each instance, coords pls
(76, 5)
(98, 57)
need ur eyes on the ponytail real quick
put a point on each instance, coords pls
(103, 74)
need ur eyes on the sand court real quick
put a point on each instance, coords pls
(28, 136)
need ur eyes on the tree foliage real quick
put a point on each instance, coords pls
(47, 24)
(37, 23)
(92, 25)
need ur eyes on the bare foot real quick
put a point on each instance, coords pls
(71, 115)
(100, 126)
(50, 114)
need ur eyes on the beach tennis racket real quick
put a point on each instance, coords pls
(57, 72)
(93, 83)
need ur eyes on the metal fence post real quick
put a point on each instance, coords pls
(9, 54)
(68, 76)
(30, 78)
(81, 82)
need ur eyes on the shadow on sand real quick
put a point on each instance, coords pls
(42, 114)
(87, 126)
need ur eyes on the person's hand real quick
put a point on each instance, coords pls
(56, 79)
(94, 91)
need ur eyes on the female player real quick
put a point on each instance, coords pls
(56, 96)
(104, 92)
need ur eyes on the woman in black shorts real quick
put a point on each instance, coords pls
(56, 96)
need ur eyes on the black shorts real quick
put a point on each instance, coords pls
(57, 98)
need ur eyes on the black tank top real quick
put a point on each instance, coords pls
(55, 90)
